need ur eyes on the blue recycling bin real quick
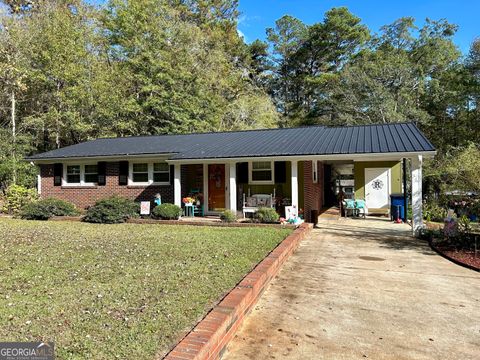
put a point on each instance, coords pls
(397, 206)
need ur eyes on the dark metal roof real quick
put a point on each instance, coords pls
(313, 140)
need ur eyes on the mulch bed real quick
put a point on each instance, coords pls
(464, 258)
(461, 257)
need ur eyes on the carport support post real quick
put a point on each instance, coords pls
(233, 187)
(177, 185)
(295, 183)
(417, 218)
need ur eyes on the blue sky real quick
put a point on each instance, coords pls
(257, 15)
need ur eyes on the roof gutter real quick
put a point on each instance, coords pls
(99, 158)
(355, 157)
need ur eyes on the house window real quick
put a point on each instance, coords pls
(140, 173)
(261, 172)
(80, 174)
(157, 173)
(73, 174)
(315, 172)
(91, 174)
(161, 173)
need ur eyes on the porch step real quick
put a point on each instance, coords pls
(332, 213)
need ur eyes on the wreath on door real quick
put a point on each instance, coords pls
(377, 184)
(217, 177)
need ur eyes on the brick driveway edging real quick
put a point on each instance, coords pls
(210, 336)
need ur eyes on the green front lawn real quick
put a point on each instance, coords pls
(117, 291)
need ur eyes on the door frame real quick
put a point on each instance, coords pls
(389, 188)
(205, 187)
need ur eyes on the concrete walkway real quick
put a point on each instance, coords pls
(360, 289)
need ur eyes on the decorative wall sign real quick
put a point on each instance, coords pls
(377, 184)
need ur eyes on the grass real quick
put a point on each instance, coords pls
(123, 291)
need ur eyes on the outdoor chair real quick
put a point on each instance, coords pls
(361, 206)
(355, 208)
(197, 210)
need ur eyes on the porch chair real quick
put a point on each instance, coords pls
(252, 203)
(198, 210)
(361, 206)
(348, 207)
(355, 207)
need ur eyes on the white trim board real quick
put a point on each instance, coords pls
(352, 157)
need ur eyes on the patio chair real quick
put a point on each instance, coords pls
(197, 210)
(349, 207)
(361, 206)
(355, 207)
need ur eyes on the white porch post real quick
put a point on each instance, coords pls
(39, 184)
(295, 183)
(177, 185)
(417, 218)
(232, 187)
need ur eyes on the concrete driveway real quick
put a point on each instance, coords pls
(359, 289)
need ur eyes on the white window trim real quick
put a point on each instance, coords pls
(315, 171)
(150, 174)
(260, 182)
(82, 175)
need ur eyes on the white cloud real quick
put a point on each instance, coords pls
(242, 35)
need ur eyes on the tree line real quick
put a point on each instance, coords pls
(71, 71)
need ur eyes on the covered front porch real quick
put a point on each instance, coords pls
(301, 182)
(219, 186)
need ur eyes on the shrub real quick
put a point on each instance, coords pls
(167, 211)
(17, 197)
(430, 234)
(112, 210)
(228, 216)
(46, 208)
(434, 212)
(267, 215)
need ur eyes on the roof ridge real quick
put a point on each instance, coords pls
(369, 125)
(253, 130)
(214, 132)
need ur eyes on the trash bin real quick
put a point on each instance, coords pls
(397, 206)
(314, 217)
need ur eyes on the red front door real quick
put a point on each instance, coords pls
(216, 187)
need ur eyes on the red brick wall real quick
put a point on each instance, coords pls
(83, 196)
(313, 192)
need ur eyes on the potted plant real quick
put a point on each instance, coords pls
(188, 201)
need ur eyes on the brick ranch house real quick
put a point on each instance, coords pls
(299, 167)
